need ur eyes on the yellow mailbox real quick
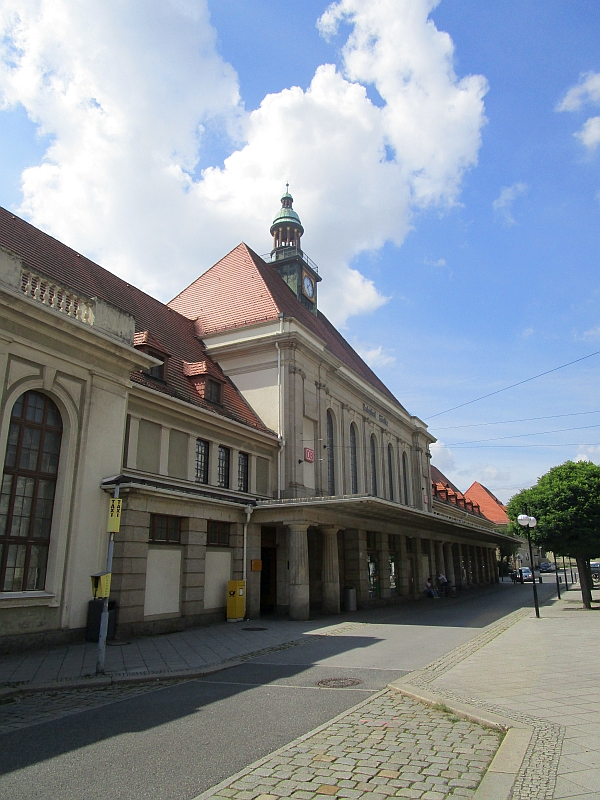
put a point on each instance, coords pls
(236, 601)
(101, 584)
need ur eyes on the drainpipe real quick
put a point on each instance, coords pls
(279, 408)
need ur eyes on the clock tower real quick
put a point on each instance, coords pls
(295, 267)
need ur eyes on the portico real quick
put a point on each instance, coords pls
(383, 550)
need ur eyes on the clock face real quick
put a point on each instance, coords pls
(308, 286)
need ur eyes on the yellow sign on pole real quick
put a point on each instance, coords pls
(114, 515)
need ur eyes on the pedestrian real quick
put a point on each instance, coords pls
(429, 590)
(442, 583)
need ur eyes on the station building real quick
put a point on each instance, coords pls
(247, 437)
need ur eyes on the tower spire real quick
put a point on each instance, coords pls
(286, 229)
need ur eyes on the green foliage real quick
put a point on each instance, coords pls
(566, 503)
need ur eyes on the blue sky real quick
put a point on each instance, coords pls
(446, 169)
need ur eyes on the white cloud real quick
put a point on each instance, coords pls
(442, 457)
(586, 91)
(588, 453)
(592, 333)
(441, 262)
(589, 135)
(374, 356)
(128, 93)
(527, 333)
(503, 203)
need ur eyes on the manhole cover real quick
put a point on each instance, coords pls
(254, 629)
(338, 683)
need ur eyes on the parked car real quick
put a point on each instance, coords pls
(595, 567)
(546, 566)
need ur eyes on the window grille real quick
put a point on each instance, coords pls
(223, 467)
(391, 471)
(373, 466)
(243, 460)
(165, 529)
(353, 461)
(202, 448)
(27, 492)
(218, 534)
(330, 455)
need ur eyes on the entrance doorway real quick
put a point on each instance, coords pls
(268, 576)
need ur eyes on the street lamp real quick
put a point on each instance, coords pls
(525, 521)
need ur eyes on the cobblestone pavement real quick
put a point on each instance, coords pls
(388, 746)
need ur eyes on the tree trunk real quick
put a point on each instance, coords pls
(584, 581)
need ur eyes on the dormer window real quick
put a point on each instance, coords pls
(213, 391)
(148, 344)
(157, 371)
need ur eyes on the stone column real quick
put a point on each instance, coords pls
(403, 568)
(331, 571)
(495, 566)
(439, 557)
(420, 576)
(299, 583)
(449, 559)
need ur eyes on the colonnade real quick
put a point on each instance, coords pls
(463, 564)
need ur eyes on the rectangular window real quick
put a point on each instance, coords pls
(410, 545)
(394, 580)
(394, 543)
(218, 533)
(212, 391)
(243, 472)
(371, 540)
(201, 461)
(223, 467)
(164, 529)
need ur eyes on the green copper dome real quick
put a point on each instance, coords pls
(286, 214)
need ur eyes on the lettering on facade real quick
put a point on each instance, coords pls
(370, 411)
(309, 455)
(383, 420)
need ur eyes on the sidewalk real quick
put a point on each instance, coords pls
(543, 674)
(190, 651)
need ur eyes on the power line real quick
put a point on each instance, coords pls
(512, 385)
(521, 435)
(565, 444)
(509, 421)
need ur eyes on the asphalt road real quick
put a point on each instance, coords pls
(175, 742)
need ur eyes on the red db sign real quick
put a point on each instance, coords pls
(309, 455)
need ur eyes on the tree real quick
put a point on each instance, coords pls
(566, 503)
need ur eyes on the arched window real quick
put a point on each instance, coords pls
(405, 477)
(391, 470)
(27, 494)
(353, 461)
(330, 455)
(373, 466)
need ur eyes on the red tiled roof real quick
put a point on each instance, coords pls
(242, 289)
(439, 477)
(145, 337)
(173, 332)
(491, 507)
(445, 490)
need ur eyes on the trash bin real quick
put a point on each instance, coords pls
(349, 598)
(92, 628)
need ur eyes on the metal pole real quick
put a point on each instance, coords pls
(557, 580)
(565, 572)
(104, 617)
(535, 594)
